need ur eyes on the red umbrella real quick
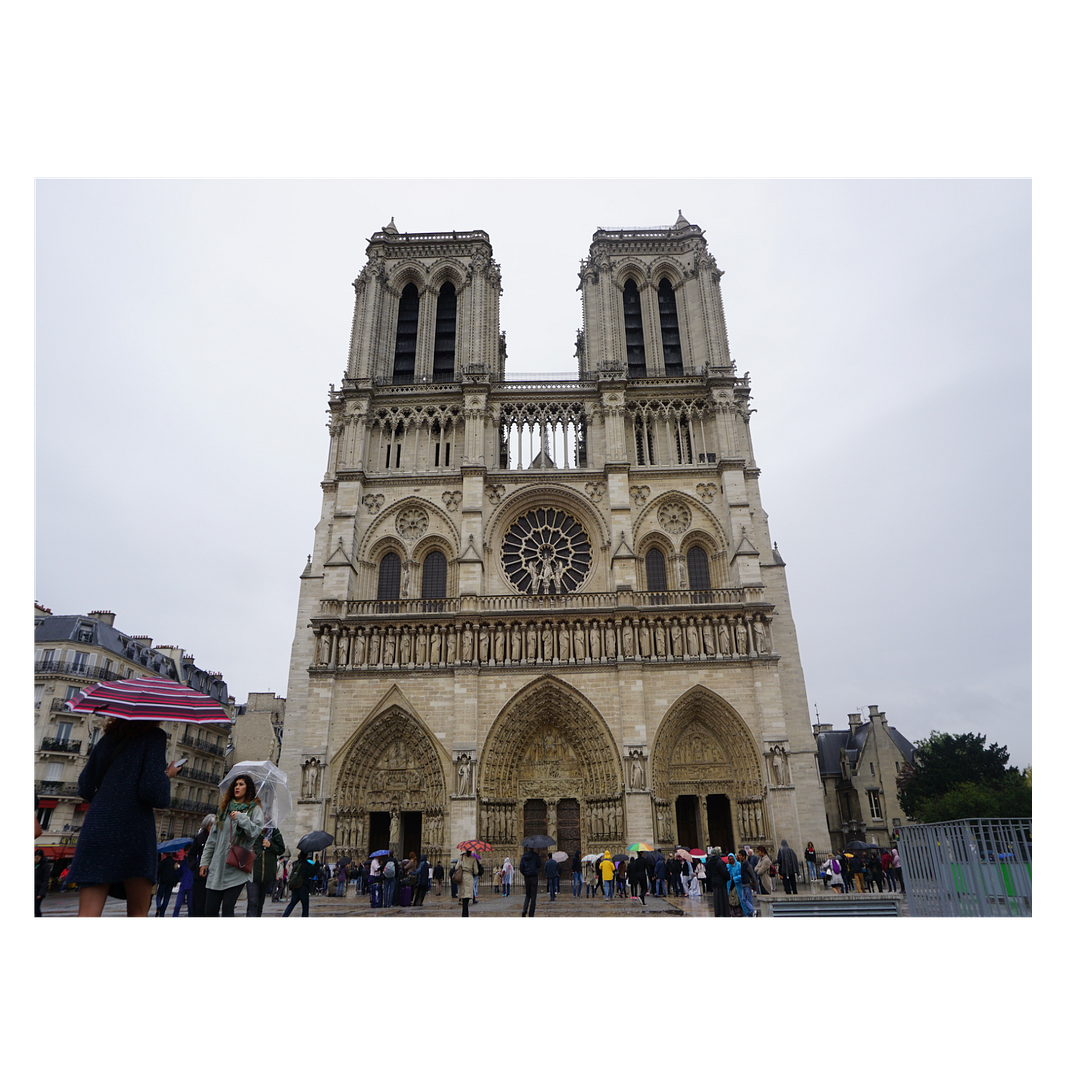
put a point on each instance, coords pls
(474, 845)
(697, 853)
(148, 698)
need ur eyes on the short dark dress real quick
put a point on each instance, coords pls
(118, 839)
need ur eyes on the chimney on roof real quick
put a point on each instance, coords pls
(854, 720)
(107, 617)
(147, 642)
(819, 728)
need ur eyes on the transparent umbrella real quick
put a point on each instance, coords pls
(271, 785)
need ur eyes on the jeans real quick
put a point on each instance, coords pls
(342, 888)
(608, 890)
(375, 891)
(506, 886)
(577, 883)
(553, 886)
(389, 891)
(661, 889)
(746, 899)
(475, 888)
(182, 897)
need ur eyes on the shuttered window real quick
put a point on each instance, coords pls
(405, 345)
(635, 334)
(445, 334)
(669, 329)
(390, 577)
(655, 570)
(697, 569)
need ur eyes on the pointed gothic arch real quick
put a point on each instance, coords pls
(550, 764)
(392, 765)
(707, 774)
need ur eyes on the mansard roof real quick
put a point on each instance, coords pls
(834, 747)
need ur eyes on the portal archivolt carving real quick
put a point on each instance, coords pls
(703, 745)
(549, 742)
(392, 764)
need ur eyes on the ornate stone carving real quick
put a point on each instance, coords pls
(546, 550)
(595, 491)
(373, 502)
(494, 492)
(635, 767)
(464, 772)
(640, 494)
(706, 492)
(778, 760)
(452, 500)
(311, 778)
(411, 523)
(674, 517)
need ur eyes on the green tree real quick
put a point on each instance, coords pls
(959, 776)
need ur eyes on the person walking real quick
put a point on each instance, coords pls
(835, 879)
(342, 878)
(268, 849)
(787, 862)
(811, 863)
(551, 873)
(375, 883)
(301, 881)
(197, 907)
(873, 866)
(167, 877)
(420, 890)
(575, 872)
(897, 870)
(530, 873)
(589, 877)
(187, 879)
(389, 880)
(41, 880)
(858, 870)
(507, 876)
(639, 879)
(716, 869)
(467, 865)
(437, 877)
(607, 875)
(761, 868)
(125, 778)
(744, 884)
(237, 825)
(887, 869)
(659, 876)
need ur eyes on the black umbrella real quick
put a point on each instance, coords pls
(538, 842)
(860, 845)
(315, 841)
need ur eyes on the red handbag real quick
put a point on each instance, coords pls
(239, 856)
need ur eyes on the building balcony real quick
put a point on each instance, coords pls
(194, 806)
(61, 746)
(201, 744)
(80, 671)
(57, 788)
(201, 776)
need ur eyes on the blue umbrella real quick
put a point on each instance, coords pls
(376, 854)
(175, 845)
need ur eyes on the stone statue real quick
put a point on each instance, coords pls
(405, 581)
(557, 570)
(707, 639)
(484, 643)
(534, 576)
(725, 638)
(637, 771)
(627, 640)
(761, 646)
(609, 640)
(546, 576)
(547, 637)
(594, 641)
(645, 640)
(467, 644)
(564, 642)
(451, 647)
(693, 642)
(388, 652)
(360, 650)
(676, 639)
(406, 648)
(515, 643)
(579, 642)
(781, 772)
(421, 649)
(376, 642)
(464, 773)
(741, 637)
(530, 642)
(436, 647)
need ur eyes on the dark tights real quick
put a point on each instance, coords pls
(225, 899)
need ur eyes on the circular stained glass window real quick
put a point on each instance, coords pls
(546, 551)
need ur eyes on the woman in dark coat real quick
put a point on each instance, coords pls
(125, 778)
(197, 904)
(639, 881)
(41, 880)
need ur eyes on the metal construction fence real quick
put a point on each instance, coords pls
(973, 868)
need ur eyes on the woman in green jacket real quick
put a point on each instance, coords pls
(239, 821)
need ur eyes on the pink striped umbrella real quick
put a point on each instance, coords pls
(148, 698)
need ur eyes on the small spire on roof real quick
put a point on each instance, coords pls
(681, 222)
(391, 228)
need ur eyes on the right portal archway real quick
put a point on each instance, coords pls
(708, 787)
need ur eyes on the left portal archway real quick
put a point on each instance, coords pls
(390, 772)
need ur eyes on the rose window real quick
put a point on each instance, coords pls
(546, 551)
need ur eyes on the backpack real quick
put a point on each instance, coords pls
(479, 871)
(296, 877)
(390, 869)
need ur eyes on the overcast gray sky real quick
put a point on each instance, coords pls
(187, 332)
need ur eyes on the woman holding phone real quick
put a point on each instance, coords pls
(231, 843)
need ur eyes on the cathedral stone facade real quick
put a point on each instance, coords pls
(545, 605)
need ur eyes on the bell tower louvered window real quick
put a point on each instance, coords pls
(405, 345)
(669, 329)
(445, 334)
(635, 334)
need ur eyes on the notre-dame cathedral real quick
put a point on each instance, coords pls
(545, 605)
